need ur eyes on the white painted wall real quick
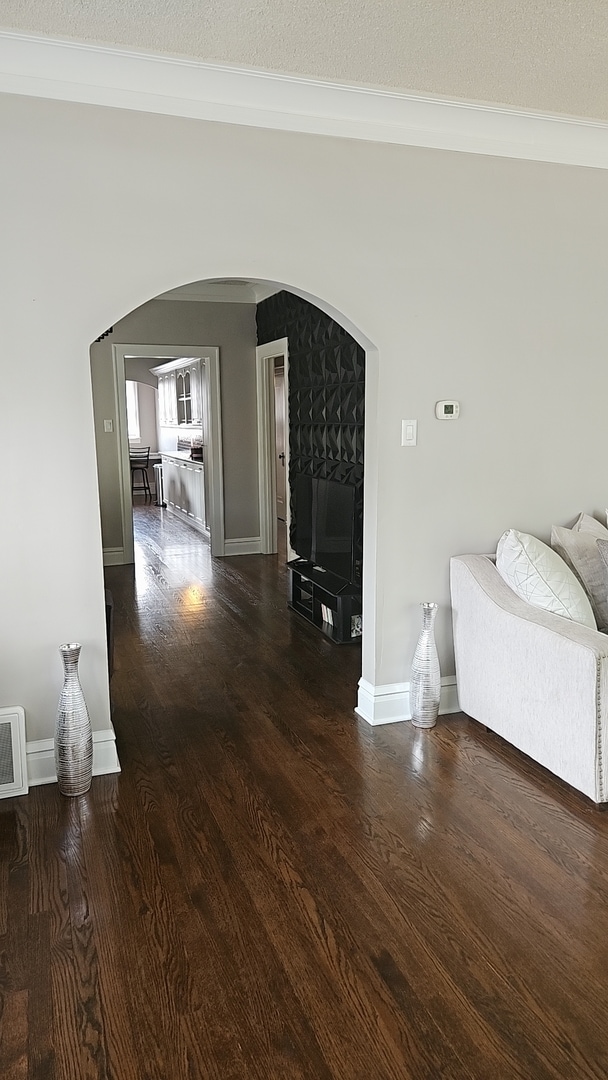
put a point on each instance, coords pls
(481, 279)
(106, 442)
(146, 407)
(137, 368)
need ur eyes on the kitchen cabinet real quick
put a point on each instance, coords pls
(167, 398)
(179, 393)
(197, 373)
(183, 387)
(184, 489)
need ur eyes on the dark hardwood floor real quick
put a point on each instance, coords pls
(273, 889)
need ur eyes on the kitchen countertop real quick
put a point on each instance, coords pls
(154, 455)
(180, 455)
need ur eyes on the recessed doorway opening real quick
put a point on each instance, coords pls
(292, 405)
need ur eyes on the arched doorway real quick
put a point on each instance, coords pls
(261, 290)
(165, 355)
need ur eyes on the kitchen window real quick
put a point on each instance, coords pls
(133, 431)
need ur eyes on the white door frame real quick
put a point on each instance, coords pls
(267, 495)
(214, 468)
(280, 470)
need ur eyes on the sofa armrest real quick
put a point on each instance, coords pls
(537, 679)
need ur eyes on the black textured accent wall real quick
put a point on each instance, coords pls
(326, 395)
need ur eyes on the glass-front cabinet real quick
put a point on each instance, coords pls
(179, 393)
(184, 396)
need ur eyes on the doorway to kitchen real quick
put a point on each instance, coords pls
(127, 357)
(297, 399)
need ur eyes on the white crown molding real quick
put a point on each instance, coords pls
(121, 78)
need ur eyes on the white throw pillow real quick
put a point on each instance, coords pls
(540, 576)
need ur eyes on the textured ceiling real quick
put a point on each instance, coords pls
(548, 55)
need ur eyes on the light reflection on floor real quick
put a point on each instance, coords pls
(184, 566)
(416, 757)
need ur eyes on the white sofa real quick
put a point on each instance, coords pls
(537, 679)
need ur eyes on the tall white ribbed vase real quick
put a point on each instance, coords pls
(425, 683)
(73, 735)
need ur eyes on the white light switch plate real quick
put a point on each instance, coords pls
(108, 425)
(409, 432)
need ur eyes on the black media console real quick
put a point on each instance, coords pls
(325, 600)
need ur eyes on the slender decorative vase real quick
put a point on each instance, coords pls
(425, 684)
(73, 735)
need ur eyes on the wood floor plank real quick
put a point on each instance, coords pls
(7, 851)
(129, 979)
(13, 1036)
(41, 1050)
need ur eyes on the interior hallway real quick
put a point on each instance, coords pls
(273, 889)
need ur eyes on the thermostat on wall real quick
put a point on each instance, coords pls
(447, 410)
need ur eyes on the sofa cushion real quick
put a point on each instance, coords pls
(540, 576)
(579, 549)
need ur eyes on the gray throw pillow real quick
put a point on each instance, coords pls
(602, 547)
(582, 552)
(586, 523)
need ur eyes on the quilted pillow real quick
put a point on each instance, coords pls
(540, 576)
(580, 550)
(602, 547)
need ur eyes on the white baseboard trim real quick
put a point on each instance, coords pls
(243, 545)
(40, 757)
(113, 556)
(390, 704)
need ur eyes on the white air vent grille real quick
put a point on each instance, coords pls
(13, 766)
(7, 772)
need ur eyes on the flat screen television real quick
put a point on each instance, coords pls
(325, 524)
(303, 503)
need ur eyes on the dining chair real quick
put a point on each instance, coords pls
(139, 459)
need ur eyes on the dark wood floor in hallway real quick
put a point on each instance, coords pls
(273, 890)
